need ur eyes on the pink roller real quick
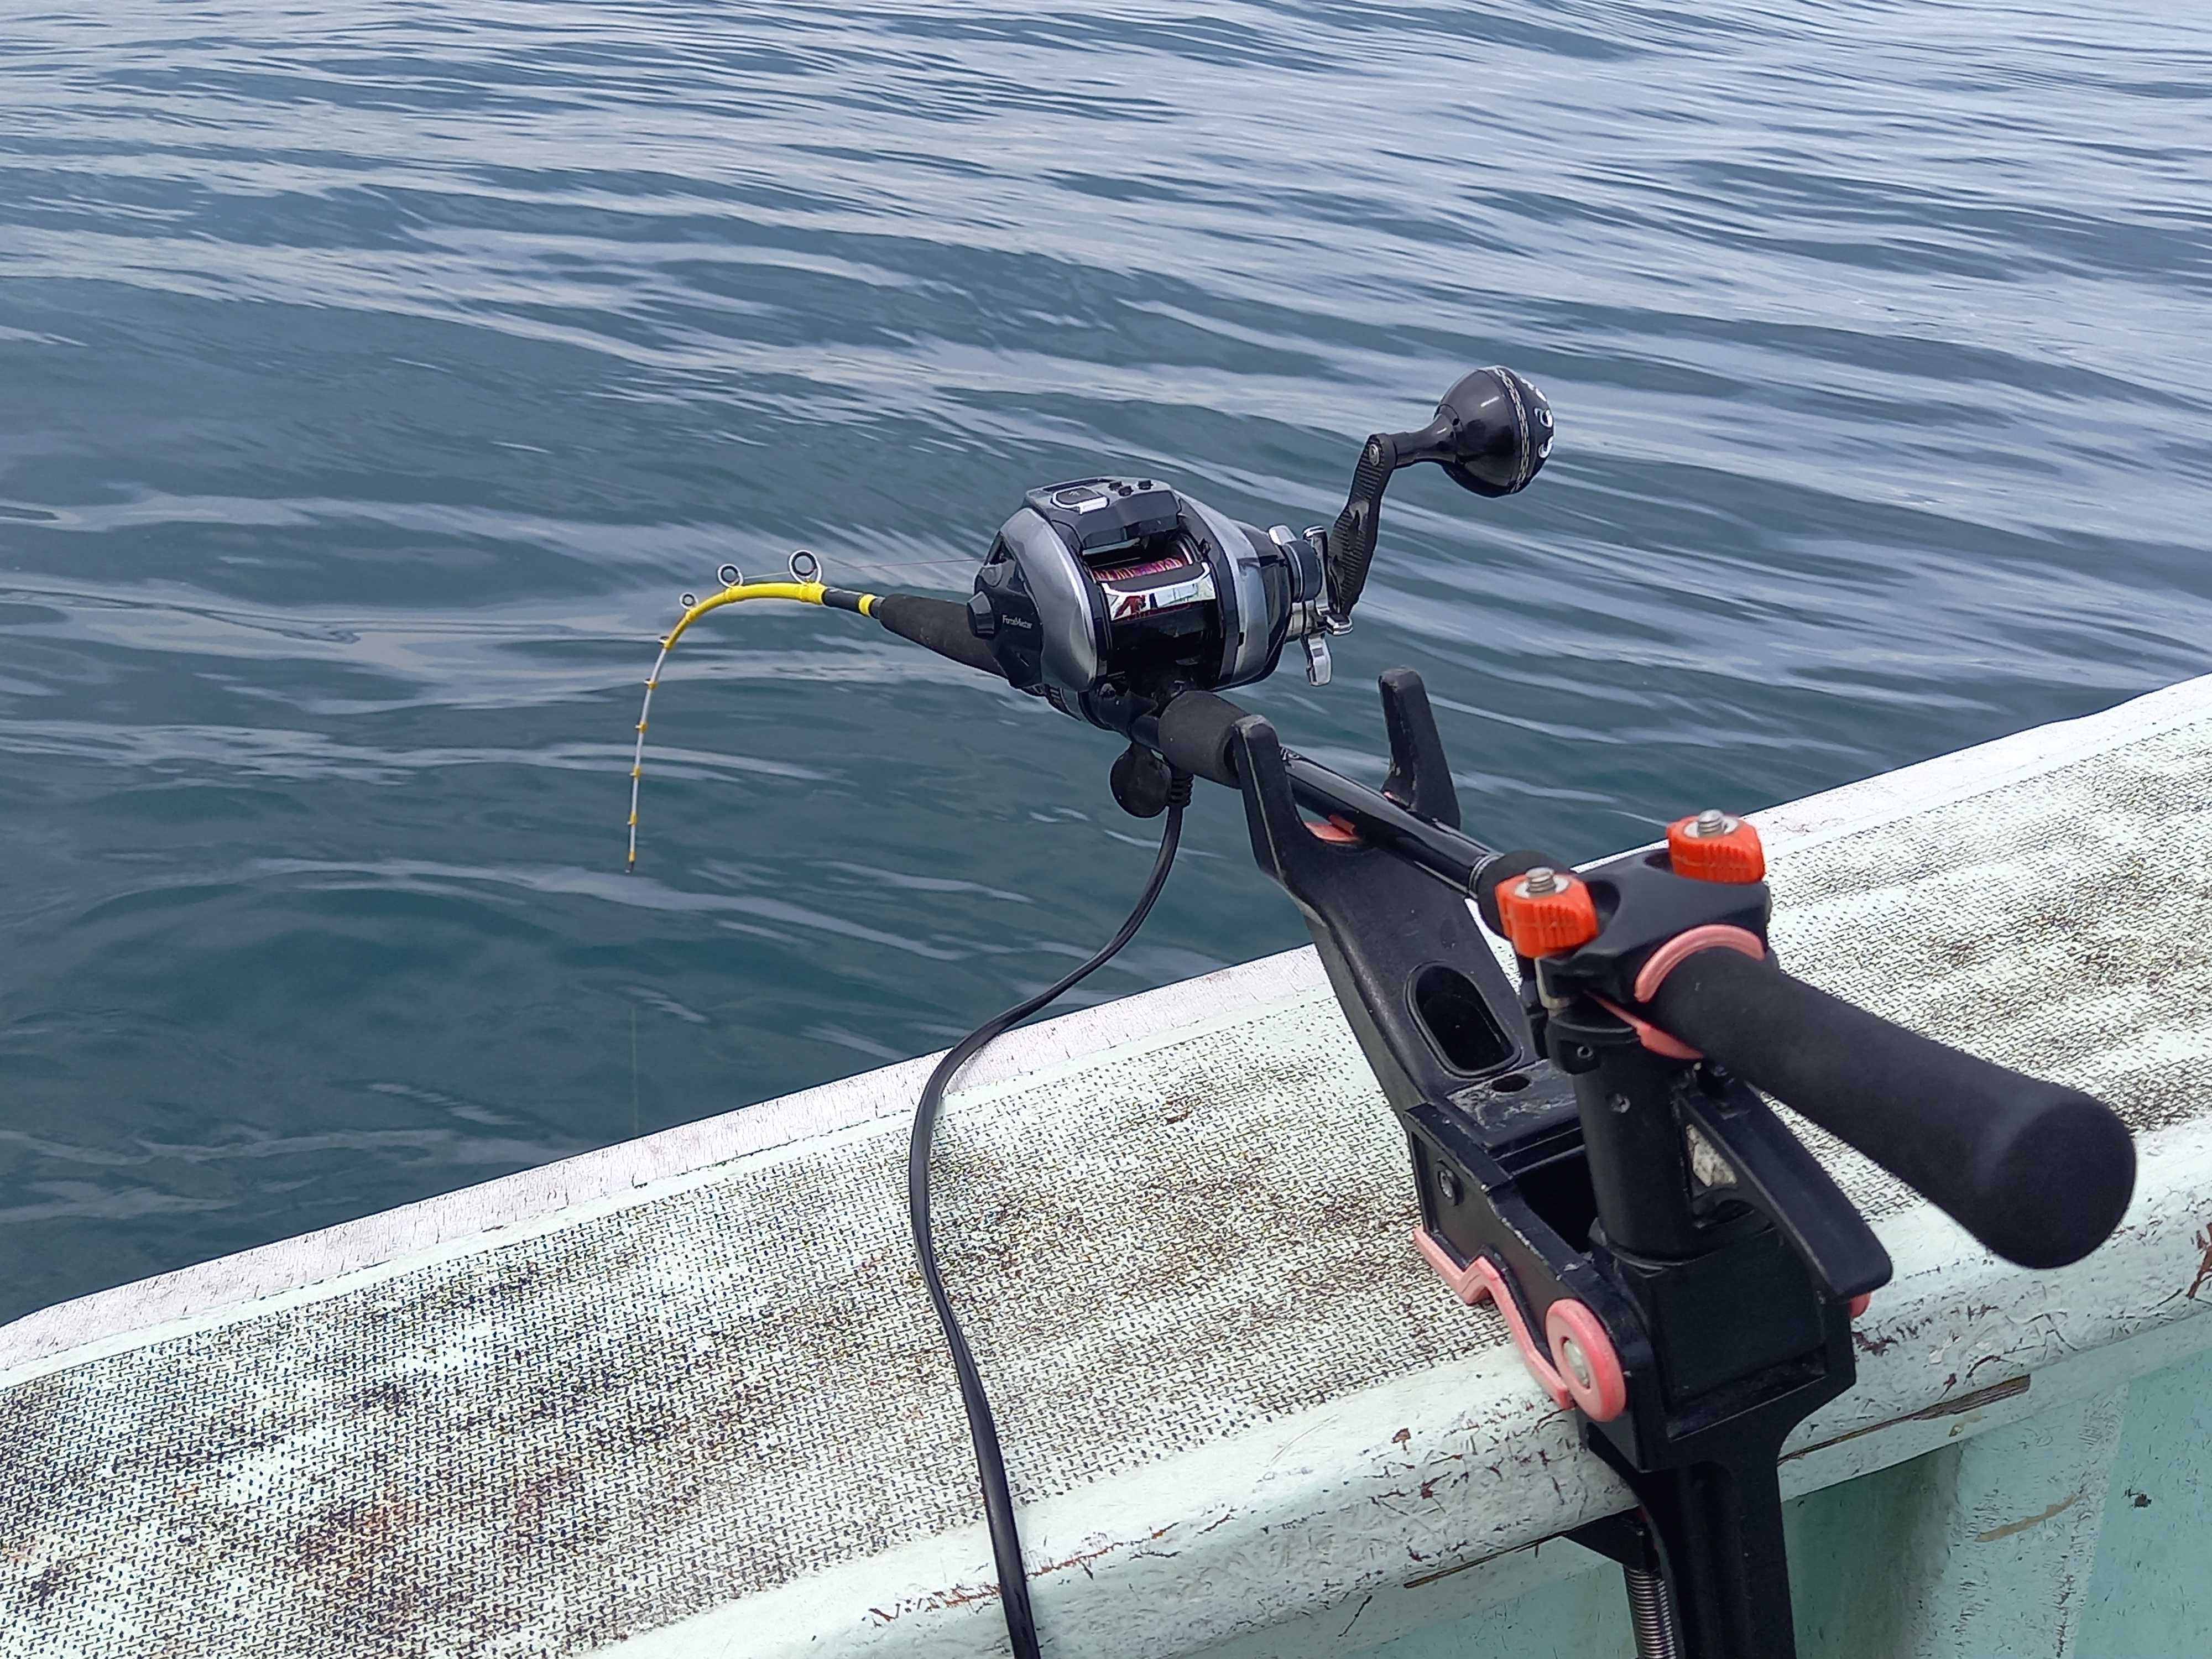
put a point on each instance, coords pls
(1481, 1280)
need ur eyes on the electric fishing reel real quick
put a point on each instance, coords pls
(1110, 596)
(1101, 593)
(1107, 580)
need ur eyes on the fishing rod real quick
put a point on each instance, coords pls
(1590, 1148)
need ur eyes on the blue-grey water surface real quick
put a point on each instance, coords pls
(373, 378)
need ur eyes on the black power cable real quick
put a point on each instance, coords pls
(990, 1465)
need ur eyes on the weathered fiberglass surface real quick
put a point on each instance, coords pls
(600, 1420)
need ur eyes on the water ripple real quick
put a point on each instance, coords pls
(376, 380)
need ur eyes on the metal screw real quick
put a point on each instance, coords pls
(1619, 1103)
(1540, 881)
(1579, 1365)
(1448, 1184)
(1710, 821)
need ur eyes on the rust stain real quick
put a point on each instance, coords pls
(959, 1595)
(2007, 1531)
(2203, 1241)
(344, 1535)
(1083, 1559)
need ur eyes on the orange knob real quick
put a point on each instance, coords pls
(1714, 847)
(1546, 910)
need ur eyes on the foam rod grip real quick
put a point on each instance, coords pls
(2039, 1173)
(938, 625)
(1193, 735)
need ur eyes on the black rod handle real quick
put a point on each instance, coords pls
(1193, 736)
(938, 625)
(2039, 1173)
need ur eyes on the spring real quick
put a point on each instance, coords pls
(1648, 1616)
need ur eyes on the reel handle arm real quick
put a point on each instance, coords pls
(1492, 435)
(1351, 538)
(2039, 1173)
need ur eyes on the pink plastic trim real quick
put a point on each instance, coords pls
(1664, 961)
(1481, 1280)
(1671, 954)
(1606, 1396)
(1648, 1034)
